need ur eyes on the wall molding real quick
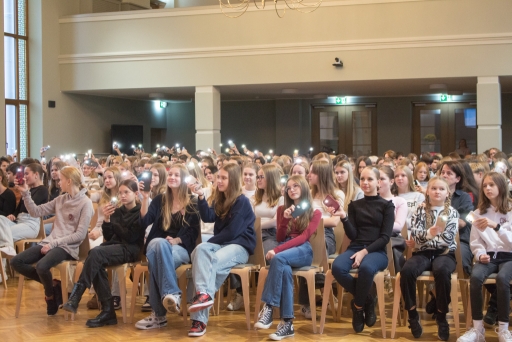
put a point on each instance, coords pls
(203, 10)
(291, 48)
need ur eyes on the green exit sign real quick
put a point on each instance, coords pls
(341, 100)
(445, 98)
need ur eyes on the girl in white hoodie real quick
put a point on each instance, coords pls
(491, 244)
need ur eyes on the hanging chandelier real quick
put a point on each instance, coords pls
(235, 8)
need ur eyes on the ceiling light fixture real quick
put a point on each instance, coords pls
(231, 9)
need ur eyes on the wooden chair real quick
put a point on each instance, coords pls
(254, 264)
(339, 236)
(317, 266)
(83, 251)
(141, 267)
(2, 268)
(20, 244)
(428, 276)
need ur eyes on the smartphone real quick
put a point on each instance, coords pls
(46, 148)
(329, 201)
(146, 178)
(113, 201)
(20, 174)
(299, 210)
(284, 179)
(192, 180)
(115, 145)
(231, 144)
(471, 217)
(416, 182)
(441, 221)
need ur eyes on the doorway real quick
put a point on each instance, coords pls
(439, 127)
(348, 129)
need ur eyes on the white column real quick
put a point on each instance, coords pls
(207, 118)
(488, 95)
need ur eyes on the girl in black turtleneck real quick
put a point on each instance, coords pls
(368, 225)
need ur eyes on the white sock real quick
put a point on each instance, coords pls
(503, 326)
(478, 325)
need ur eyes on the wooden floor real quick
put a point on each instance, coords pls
(34, 325)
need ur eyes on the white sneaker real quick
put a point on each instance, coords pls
(236, 303)
(151, 322)
(306, 311)
(172, 303)
(473, 335)
(504, 336)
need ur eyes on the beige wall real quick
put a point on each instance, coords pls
(199, 46)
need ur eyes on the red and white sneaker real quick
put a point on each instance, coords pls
(200, 302)
(197, 329)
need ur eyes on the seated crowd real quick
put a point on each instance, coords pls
(177, 208)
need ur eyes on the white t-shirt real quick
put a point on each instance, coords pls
(413, 199)
(318, 204)
(248, 193)
(267, 214)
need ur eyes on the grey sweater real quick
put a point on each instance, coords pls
(72, 218)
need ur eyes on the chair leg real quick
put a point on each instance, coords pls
(244, 277)
(4, 275)
(182, 282)
(63, 270)
(469, 320)
(329, 278)
(420, 285)
(310, 279)
(21, 281)
(379, 283)
(121, 278)
(78, 271)
(396, 305)
(137, 272)
(455, 304)
(259, 291)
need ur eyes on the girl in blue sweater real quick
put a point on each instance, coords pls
(232, 242)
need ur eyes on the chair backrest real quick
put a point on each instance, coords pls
(317, 241)
(42, 233)
(391, 259)
(458, 258)
(94, 218)
(258, 257)
(84, 249)
(339, 236)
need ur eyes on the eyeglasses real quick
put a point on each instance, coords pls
(260, 177)
(294, 187)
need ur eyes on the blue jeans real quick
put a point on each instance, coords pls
(278, 290)
(211, 264)
(371, 264)
(163, 259)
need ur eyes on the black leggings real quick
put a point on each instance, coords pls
(442, 267)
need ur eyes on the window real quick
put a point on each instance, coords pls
(16, 77)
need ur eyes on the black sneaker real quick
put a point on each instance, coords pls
(265, 318)
(369, 311)
(117, 302)
(415, 326)
(443, 329)
(357, 318)
(197, 329)
(284, 330)
(431, 306)
(51, 307)
(490, 317)
(200, 302)
(146, 307)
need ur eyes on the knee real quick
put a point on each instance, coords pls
(476, 280)
(41, 268)
(277, 260)
(406, 272)
(339, 270)
(156, 244)
(442, 273)
(200, 250)
(502, 280)
(16, 262)
(366, 271)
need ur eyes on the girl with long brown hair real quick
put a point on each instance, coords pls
(294, 250)
(170, 242)
(232, 243)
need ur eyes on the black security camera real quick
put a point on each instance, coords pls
(337, 62)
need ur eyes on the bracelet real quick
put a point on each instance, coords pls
(498, 226)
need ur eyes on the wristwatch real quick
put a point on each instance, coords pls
(498, 226)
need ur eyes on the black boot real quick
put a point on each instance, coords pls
(369, 311)
(107, 315)
(357, 318)
(74, 299)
